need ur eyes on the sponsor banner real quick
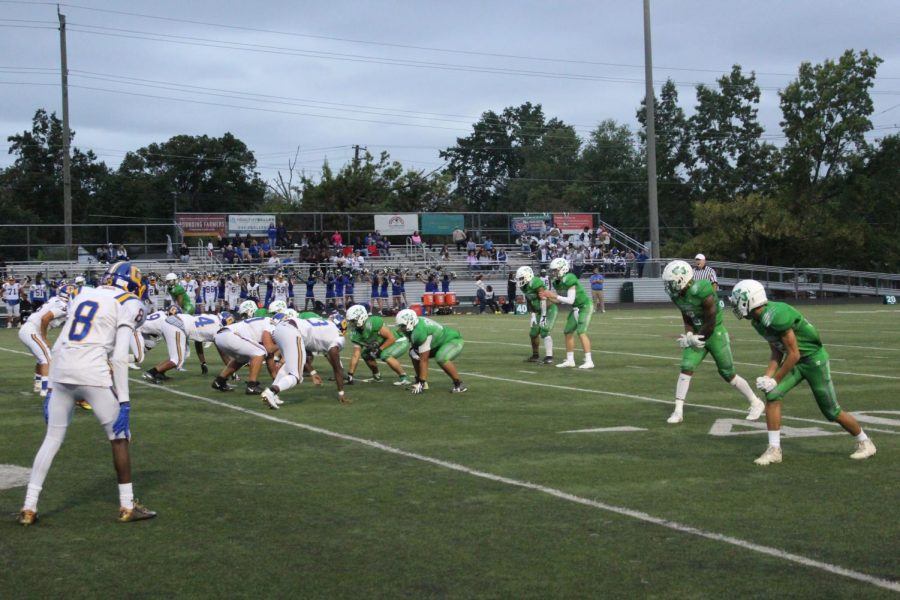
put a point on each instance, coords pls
(397, 224)
(196, 224)
(573, 222)
(529, 224)
(252, 224)
(441, 224)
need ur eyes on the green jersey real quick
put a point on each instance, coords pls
(177, 292)
(569, 280)
(691, 302)
(440, 334)
(531, 293)
(308, 314)
(261, 312)
(777, 318)
(369, 335)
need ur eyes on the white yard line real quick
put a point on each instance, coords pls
(864, 347)
(595, 351)
(619, 510)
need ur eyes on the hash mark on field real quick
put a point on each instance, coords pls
(556, 493)
(529, 372)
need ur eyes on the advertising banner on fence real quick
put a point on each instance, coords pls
(441, 224)
(197, 224)
(252, 224)
(397, 224)
(529, 224)
(573, 222)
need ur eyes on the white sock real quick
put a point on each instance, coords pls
(862, 436)
(31, 497)
(570, 356)
(775, 438)
(126, 496)
(548, 346)
(681, 388)
(679, 406)
(587, 357)
(741, 385)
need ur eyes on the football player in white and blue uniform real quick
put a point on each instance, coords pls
(34, 335)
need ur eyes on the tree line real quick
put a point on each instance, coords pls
(824, 195)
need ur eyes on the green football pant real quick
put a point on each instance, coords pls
(816, 370)
(395, 350)
(448, 351)
(579, 319)
(719, 345)
(536, 329)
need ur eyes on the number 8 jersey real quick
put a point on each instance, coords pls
(81, 353)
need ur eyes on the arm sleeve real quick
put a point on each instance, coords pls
(569, 298)
(119, 362)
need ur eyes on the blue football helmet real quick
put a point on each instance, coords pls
(174, 310)
(126, 276)
(227, 319)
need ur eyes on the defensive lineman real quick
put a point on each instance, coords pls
(89, 362)
(703, 334)
(797, 355)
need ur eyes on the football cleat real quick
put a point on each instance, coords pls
(27, 517)
(404, 380)
(138, 513)
(533, 359)
(566, 364)
(253, 388)
(134, 366)
(84, 405)
(151, 377)
(37, 387)
(757, 408)
(222, 386)
(459, 389)
(377, 378)
(548, 360)
(864, 449)
(770, 456)
(676, 417)
(269, 399)
(586, 365)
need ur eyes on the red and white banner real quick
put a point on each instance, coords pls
(573, 222)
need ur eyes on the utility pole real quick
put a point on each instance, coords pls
(651, 139)
(356, 149)
(67, 171)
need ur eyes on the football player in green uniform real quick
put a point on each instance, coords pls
(569, 291)
(543, 315)
(427, 338)
(372, 339)
(797, 355)
(703, 334)
(179, 296)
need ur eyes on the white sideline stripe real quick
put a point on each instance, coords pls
(627, 512)
(656, 400)
(623, 428)
(595, 351)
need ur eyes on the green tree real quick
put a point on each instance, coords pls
(826, 114)
(728, 156)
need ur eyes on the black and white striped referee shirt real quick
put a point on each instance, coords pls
(707, 273)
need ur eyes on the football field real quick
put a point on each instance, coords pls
(537, 483)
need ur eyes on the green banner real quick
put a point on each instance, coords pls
(441, 224)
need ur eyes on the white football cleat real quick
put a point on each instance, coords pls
(864, 449)
(270, 399)
(757, 408)
(566, 364)
(37, 387)
(772, 455)
(676, 417)
(586, 365)
(134, 366)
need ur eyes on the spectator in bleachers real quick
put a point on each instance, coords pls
(577, 262)
(416, 239)
(471, 246)
(385, 247)
(121, 253)
(272, 232)
(228, 255)
(484, 260)
(102, 255)
(524, 243)
(597, 290)
(459, 238)
(502, 260)
(629, 262)
(488, 244)
(185, 253)
(283, 238)
(445, 253)
(472, 261)
(480, 293)
(490, 300)
(337, 240)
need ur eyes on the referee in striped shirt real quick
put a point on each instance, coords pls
(701, 271)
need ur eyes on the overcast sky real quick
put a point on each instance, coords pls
(404, 76)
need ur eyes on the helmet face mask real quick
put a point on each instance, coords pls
(747, 296)
(407, 320)
(558, 268)
(524, 275)
(677, 277)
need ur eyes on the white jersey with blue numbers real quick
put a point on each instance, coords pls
(81, 353)
(200, 328)
(232, 289)
(190, 288)
(319, 335)
(253, 329)
(55, 306)
(210, 290)
(280, 291)
(153, 323)
(11, 292)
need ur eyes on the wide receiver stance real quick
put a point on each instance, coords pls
(703, 334)
(90, 360)
(797, 355)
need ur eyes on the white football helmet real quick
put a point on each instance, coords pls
(171, 279)
(746, 296)
(407, 320)
(559, 267)
(677, 276)
(247, 308)
(290, 313)
(357, 315)
(278, 306)
(524, 275)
